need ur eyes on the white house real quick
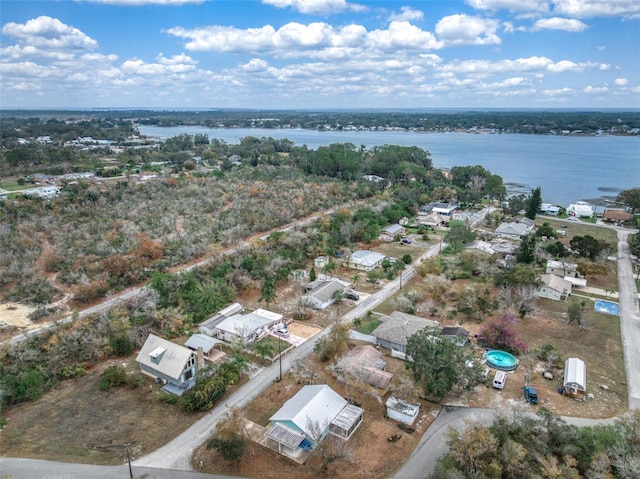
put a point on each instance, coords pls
(306, 419)
(579, 209)
(364, 260)
(170, 363)
(568, 271)
(248, 327)
(444, 209)
(554, 287)
(549, 209)
(320, 293)
(209, 325)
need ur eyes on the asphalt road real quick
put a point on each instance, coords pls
(629, 319)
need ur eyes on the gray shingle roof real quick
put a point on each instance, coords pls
(399, 326)
(172, 358)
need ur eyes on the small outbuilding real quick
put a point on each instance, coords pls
(575, 378)
(402, 411)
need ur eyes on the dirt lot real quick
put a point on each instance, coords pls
(374, 456)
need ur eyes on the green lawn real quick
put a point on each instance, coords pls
(368, 325)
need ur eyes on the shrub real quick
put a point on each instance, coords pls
(168, 397)
(231, 449)
(121, 344)
(113, 376)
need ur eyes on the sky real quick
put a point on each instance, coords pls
(320, 54)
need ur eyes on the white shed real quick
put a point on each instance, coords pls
(575, 378)
(402, 411)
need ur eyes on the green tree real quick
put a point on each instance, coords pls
(586, 246)
(459, 234)
(534, 203)
(312, 274)
(268, 293)
(263, 349)
(526, 252)
(631, 198)
(476, 302)
(438, 364)
(546, 230)
(575, 313)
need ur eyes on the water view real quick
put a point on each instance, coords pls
(567, 168)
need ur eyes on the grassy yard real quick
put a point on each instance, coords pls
(368, 325)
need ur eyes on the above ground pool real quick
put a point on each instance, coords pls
(501, 360)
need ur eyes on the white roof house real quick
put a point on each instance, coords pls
(320, 293)
(514, 230)
(208, 326)
(169, 362)
(575, 377)
(580, 208)
(310, 415)
(248, 327)
(365, 260)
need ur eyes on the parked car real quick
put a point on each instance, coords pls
(405, 241)
(283, 333)
(499, 380)
(352, 295)
(531, 394)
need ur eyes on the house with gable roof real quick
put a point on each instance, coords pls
(169, 363)
(554, 287)
(364, 260)
(395, 329)
(390, 232)
(320, 293)
(306, 419)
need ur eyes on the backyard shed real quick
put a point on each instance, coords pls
(365, 364)
(575, 378)
(402, 411)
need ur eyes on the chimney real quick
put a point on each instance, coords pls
(200, 359)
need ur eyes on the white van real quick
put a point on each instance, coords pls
(499, 380)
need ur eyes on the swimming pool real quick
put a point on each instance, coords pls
(608, 307)
(501, 360)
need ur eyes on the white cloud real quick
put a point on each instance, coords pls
(407, 14)
(601, 48)
(511, 5)
(557, 23)
(595, 90)
(558, 92)
(462, 29)
(315, 40)
(621, 81)
(311, 7)
(47, 32)
(598, 8)
(485, 68)
(135, 3)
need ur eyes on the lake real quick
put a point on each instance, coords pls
(567, 168)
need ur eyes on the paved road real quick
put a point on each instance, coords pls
(629, 319)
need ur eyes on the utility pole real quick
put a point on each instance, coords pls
(129, 460)
(280, 358)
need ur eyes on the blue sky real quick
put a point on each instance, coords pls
(284, 54)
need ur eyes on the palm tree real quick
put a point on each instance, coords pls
(263, 349)
(355, 279)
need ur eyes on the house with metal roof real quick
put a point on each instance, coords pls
(364, 260)
(208, 326)
(390, 232)
(320, 293)
(575, 378)
(306, 419)
(170, 363)
(207, 344)
(248, 327)
(395, 329)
